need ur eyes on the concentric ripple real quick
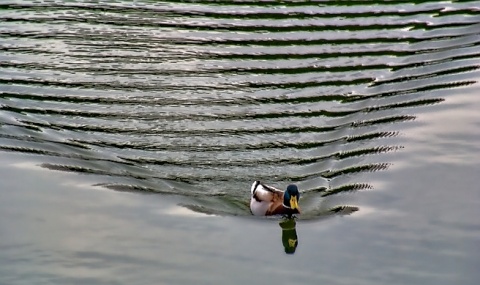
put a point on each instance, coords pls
(200, 98)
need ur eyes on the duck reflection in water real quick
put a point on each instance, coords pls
(289, 235)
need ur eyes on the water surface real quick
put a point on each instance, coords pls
(123, 124)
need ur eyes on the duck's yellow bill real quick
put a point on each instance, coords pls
(293, 202)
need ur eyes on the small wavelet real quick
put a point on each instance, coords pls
(182, 98)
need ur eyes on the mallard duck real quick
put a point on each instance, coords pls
(267, 200)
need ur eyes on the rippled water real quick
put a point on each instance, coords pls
(200, 98)
(193, 100)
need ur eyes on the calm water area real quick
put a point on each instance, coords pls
(131, 131)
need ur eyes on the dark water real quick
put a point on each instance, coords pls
(366, 105)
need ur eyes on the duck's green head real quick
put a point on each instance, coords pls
(291, 197)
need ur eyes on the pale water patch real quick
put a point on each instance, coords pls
(121, 125)
(181, 212)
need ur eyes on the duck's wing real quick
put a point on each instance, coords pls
(265, 193)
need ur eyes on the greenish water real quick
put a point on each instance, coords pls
(130, 134)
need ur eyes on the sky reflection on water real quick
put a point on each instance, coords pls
(57, 229)
(118, 120)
